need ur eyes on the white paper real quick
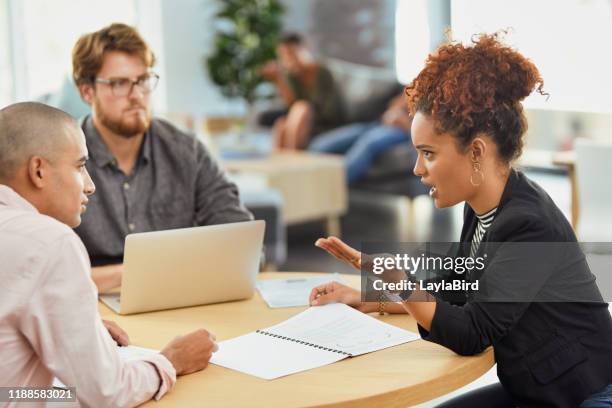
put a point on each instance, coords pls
(291, 292)
(336, 326)
(268, 357)
(340, 327)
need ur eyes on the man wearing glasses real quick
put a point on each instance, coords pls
(149, 175)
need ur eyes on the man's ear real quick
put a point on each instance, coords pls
(38, 169)
(87, 93)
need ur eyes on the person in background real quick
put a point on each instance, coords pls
(150, 175)
(468, 128)
(307, 88)
(362, 143)
(49, 318)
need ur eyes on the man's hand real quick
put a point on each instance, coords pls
(107, 277)
(116, 332)
(398, 118)
(270, 71)
(191, 352)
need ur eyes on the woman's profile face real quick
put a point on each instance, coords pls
(440, 163)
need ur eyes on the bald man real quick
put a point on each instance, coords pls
(49, 322)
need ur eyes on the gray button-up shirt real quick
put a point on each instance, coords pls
(175, 184)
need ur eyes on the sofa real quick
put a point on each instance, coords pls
(367, 92)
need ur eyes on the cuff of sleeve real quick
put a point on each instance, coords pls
(166, 372)
(405, 294)
(423, 332)
(444, 321)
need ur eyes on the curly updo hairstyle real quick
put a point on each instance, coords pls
(475, 89)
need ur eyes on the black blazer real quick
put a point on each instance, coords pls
(552, 354)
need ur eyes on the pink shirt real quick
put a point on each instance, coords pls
(49, 320)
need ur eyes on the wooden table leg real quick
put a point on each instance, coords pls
(568, 160)
(575, 204)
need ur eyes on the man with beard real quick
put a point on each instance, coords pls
(149, 175)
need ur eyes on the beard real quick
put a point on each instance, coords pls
(129, 127)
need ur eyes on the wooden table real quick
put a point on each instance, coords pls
(313, 186)
(396, 377)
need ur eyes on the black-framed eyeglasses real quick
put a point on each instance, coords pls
(124, 86)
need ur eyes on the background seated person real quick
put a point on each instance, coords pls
(150, 175)
(363, 142)
(307, 88)
(49, 317)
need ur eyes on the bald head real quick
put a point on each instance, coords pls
(30, 129)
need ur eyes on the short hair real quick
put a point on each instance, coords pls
(30, 129)
(292, 39)
(88, 52)
(474, 89)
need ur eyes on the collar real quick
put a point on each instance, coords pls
(507, 194)
(12, 199)
(488, 216)
(470, 218)
(513, 179)
(99, 152)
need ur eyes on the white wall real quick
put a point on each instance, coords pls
(567, 40)
(188, 34)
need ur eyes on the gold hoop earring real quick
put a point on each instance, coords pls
(477, 175)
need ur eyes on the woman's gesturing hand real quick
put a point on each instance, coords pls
(337, 248)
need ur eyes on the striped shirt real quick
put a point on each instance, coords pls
(484, 222)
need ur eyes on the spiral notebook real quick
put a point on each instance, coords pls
(314, 338)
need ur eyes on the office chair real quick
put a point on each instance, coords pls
(593, 172)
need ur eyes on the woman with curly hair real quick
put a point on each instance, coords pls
(468, 127)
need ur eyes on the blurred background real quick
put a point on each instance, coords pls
(371, 47)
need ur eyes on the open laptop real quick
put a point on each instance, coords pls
(188, 267)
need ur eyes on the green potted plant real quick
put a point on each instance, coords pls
(247, 33)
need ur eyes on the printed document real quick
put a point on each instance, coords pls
(293, 291)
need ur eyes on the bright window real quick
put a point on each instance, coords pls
(6, 82)
(411, 38)
(569, 41)
(46, 31)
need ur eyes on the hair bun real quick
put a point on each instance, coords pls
(476, 88)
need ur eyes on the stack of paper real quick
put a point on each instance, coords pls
(291, 292)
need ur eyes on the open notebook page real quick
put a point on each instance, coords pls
(269, 357)
(340, 327)
(314, 338)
